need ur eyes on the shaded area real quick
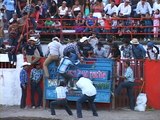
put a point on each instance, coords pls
(27, 118)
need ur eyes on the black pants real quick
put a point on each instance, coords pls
(23, 97)
(129, 87)
(62, 102)
(35, 87)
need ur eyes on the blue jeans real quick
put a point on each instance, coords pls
(1, 41)
(129, 87)
(148, 31)
(9, 14)
(82, 100)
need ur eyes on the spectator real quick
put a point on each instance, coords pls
(53, 10)
(110, 8)
(14, 18)
(63, 12)
(124, 9)
(152, 51)
(142, 8)
(38, 42)
(57, 26)
(20, 5)
(91, 23)
(156, 5)
(79, 23)
(126, 49)
(148, 27)
(48, 25)
(86, 8)
(114, 23)
(61, 91)
(128, 83)
(93, 40)
(54, 54)
(1, 33)
(115, 52)
(64, 66)
(107, 26)
(99, 52)
(156, 23)
(97, 9)
(3, 17)
(108, 47)
(13, 41)
(45, 7)
(76, 9)
(137, 49)
(23, 84)
(9, 6)
(88, 94)
(87, 49)
(30, 50)
(36, 77)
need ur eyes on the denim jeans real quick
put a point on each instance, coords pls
(23, 97)
(35, 87)
(12, 54)
(83, 99)
(9, 14)
(129, 87)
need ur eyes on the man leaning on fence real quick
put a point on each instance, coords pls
(128, 83)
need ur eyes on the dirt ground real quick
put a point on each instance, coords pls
(15, 113)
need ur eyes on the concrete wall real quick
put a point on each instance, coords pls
(10, 91)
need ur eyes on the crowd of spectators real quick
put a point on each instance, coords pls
(90, 16)
(101, 16)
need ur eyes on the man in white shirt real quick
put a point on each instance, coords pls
(110, 8)
(143, 7)
(124, 9)
(89, 93)
(61, 91)
(54, 54)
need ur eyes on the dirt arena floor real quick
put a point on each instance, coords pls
(15, 113)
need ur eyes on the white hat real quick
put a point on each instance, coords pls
(127, 0)
(56, 38)
(33, 39)
(83, 39)
(25, 63)
(134, 41)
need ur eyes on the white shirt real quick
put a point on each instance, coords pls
(86, 85)
(54, 48)
(61, 92)
(143, 9)
(93, 41)
(156, 6)
(125, 10)
(110, 10)
(100, 53)
(61, 11)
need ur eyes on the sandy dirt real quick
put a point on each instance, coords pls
(15, 113)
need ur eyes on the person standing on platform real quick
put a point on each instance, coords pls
(61, 91)
(23, 83)
(128, 83)
(36, 76)
(89, 93)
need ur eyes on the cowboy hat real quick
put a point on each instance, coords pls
(25, 64)
(83, 39)
(134, 41)
(56, 38)
(33, 39)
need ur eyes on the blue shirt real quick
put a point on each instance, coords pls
(64, 65)
(9, 4)
(36, 74)
(23, 77)
(138, 51)
(129, 74)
